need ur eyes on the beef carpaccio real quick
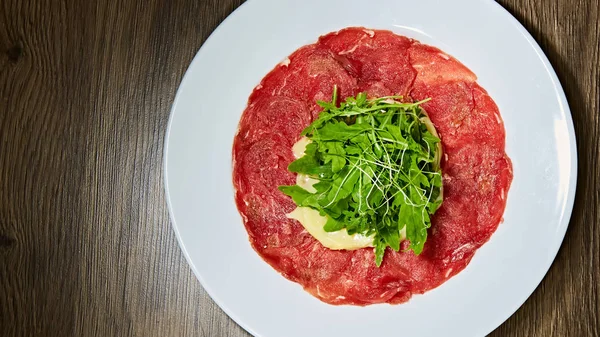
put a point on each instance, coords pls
(476, 170)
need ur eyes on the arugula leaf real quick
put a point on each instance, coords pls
(305, 164)
(343, 185)
(339, 131)
(377, 163)
(297, 193)
(410, 217)
(311, 167)
(380, 246)
(392, 236)
(333, 225)
(335, 154)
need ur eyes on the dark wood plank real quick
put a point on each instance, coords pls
(85, 241)
(86, 247)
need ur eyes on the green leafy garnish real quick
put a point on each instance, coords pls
(377, 164)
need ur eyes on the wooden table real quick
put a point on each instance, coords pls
(86, 247)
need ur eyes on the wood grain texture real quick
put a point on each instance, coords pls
(86, 247)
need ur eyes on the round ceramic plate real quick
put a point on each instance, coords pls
(503, 273)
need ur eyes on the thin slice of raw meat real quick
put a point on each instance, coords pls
(378, 59)
(309, 74)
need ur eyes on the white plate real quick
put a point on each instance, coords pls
(503, 273)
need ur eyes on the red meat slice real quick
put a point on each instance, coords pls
(286, 116)
(262, 206)
(379, 59)
(462, 112)
(476, 179)
(309, 74)
(476, 171)
(435, 66)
